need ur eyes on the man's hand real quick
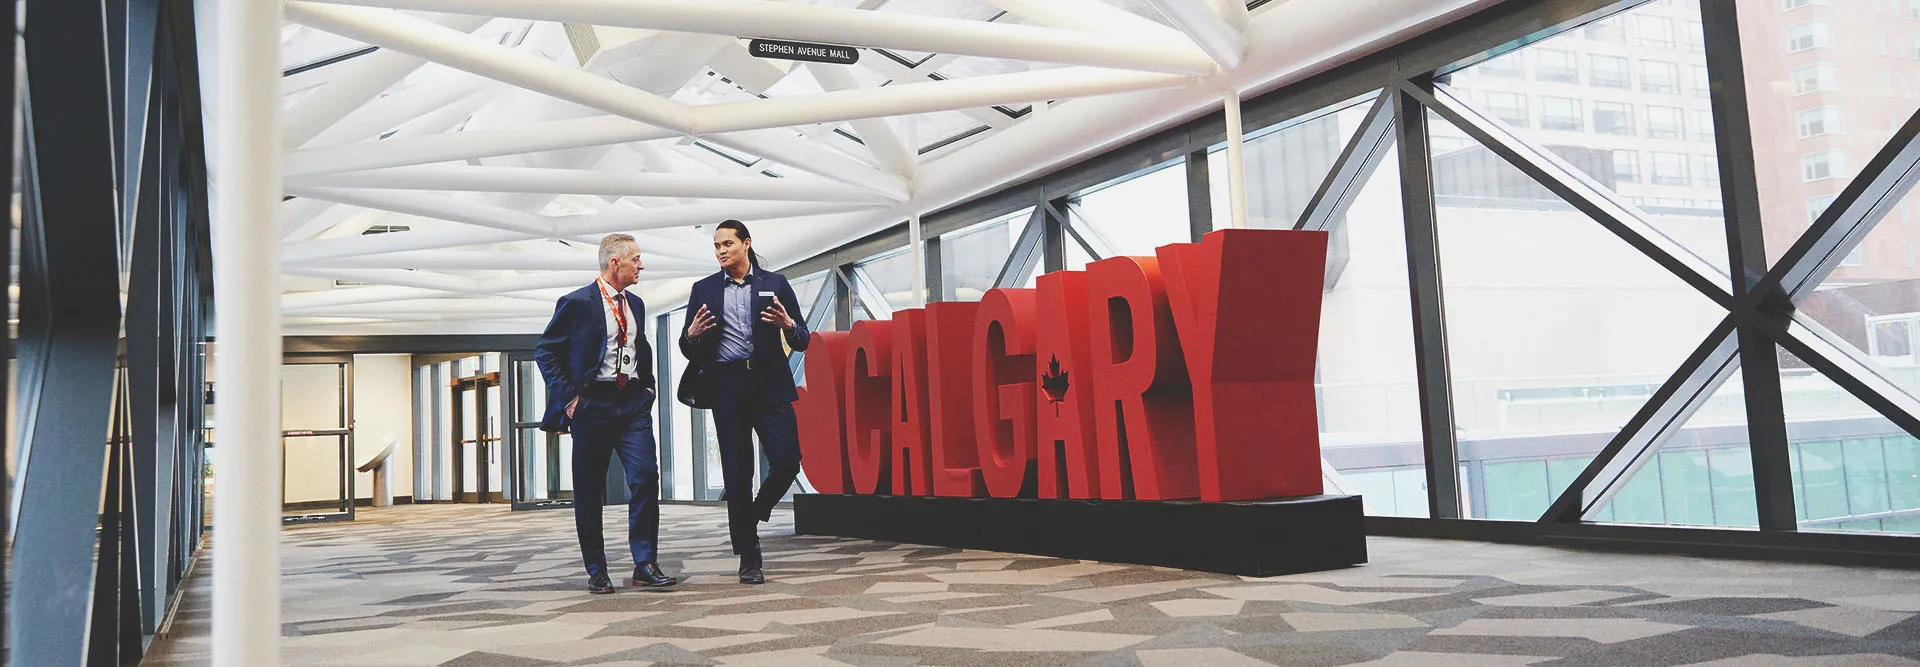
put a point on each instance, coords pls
(703, 322)
(777, 316)
(571, 405)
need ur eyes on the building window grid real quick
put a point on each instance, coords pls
(1561, 113)
(1823, 165)
(1556, 66)
(1814, 78)
(1605, 71)
(1809, 35)
(1656, 31)
(1508, 107)
(1666, 123)
(1821, 120)
(1670, 169)
(1659, 77)
(1613, 118)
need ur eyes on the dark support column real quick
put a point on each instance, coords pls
(842, 299)
(143, 368)
(67, 357)
(1199, 196)
(8, 84)
(1429, 327)
(1053, 238)
(936, 287)
(1747, 257)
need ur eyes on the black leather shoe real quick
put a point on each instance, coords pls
(750, 569)
(600, 584)
(648, 575)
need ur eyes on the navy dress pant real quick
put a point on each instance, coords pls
(739, 413)
(611, 422)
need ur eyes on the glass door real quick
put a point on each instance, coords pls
(316, 457)
(476, 439)
(539, 464)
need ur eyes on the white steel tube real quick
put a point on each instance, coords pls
(435, 207)
(927, 97)
(1089, 15)
(469, 144)
(419, 239)
(918, 245)
(851, 27)
(582, 182)
(879, 136)
(246, 256)
(364, 79)
(1236, 161)
(1198, 18)
(408, 34)
(785, 147)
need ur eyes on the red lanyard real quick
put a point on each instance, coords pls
(619, 313)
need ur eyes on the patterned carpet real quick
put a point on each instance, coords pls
(481, 586)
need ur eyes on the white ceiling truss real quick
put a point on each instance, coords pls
(451, 164)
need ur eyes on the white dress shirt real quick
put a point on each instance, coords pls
(613, 359)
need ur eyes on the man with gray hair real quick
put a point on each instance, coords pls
(598, 369)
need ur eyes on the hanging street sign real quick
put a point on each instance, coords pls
(818, 53)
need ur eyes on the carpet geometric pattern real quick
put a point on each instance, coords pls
(480, 586)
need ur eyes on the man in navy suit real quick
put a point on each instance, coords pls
(598, 369)
(737, 368)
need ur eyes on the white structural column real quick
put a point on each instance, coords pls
(246, 257)
(919, 246)
(1224, 43)
(1236, 161)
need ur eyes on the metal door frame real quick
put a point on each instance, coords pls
(477, 383)
(344, 437)
(516, 450)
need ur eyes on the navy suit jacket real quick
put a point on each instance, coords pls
(571, 349)
(770, 372)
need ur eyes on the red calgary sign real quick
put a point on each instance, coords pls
(1184, 375)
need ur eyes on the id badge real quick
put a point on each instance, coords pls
(627, 361)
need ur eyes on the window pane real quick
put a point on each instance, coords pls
(1853, 469)
(970, 259)
(1638, 101)
(1136, 215)
(892, 273)
(1285, 167)
(1845, 100)
(1535, 292)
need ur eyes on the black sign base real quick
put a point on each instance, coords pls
(1257, 538)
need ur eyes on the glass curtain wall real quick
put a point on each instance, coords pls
(1582, 236)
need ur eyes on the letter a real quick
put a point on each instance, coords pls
(1069, 462)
